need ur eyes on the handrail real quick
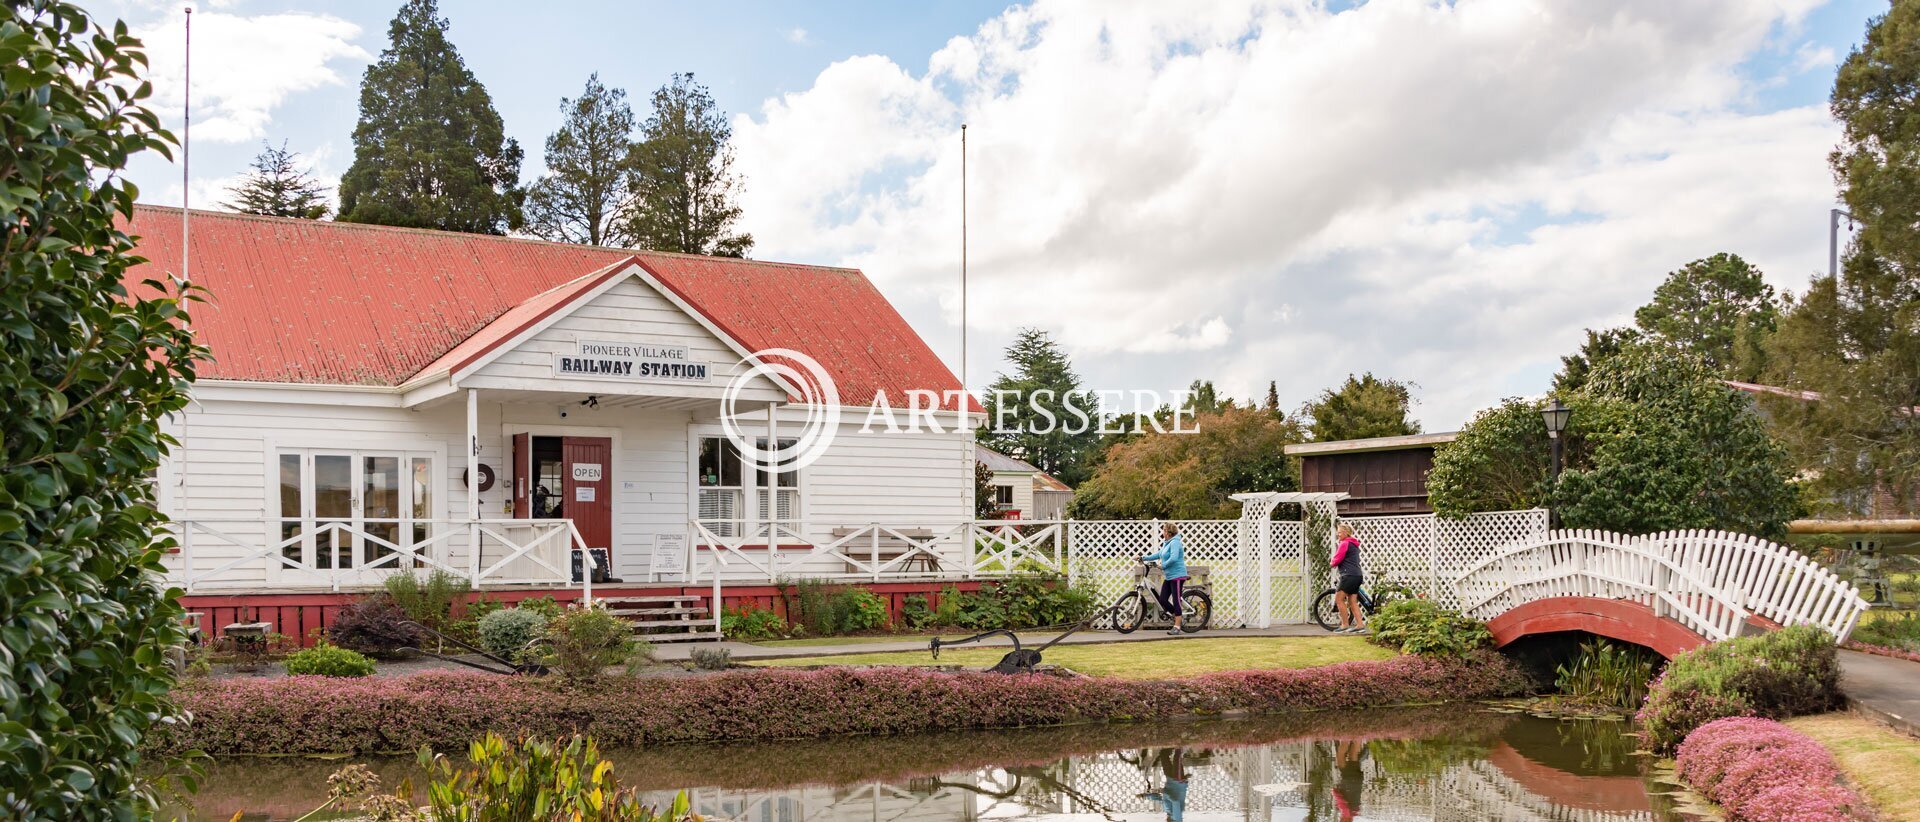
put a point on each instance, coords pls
(435, 550)
(1711, 581)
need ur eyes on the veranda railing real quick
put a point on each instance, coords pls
(238, 554)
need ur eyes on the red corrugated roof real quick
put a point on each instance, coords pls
(306, 301)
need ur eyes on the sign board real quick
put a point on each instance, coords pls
(586, 472)
(669, 554)
(631, 362)
(583, 493)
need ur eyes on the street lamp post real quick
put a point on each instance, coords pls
(1556, 415)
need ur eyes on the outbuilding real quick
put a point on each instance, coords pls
(1379, 475)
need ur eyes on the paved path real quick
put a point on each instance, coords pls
(1885, 688)
(745, 651)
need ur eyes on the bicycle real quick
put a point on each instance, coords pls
(1134, 608)
(1325, 614)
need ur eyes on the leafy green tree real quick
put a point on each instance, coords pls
(1362, 407)
(1203, 398)
(1599, 345)
(1656, 442)
(1031, 413)
(429, 151)
(1719, 308)
(88, 366)
(586, 196)
(1855, 339)
(683, 179)
(1272, 404)
(277, 187)
(1192, 476)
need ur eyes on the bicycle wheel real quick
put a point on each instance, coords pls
(1323, 610)
(1196, 610)
(1129, 613)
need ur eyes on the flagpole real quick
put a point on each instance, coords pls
(186, 157)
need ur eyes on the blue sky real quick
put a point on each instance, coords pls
(1237, 191)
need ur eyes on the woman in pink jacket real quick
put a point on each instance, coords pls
(1346, 603)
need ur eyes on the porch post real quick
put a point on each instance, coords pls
(473, 485)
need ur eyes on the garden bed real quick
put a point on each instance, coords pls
(318, 715)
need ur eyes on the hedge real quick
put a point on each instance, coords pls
(1788, 672)
(1759, 770)
(320, 715)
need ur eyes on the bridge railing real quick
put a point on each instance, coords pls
(1711, 582)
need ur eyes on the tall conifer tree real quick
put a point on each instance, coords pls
(683, 176)
(429, 151)
(586, 196)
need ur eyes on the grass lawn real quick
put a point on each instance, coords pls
(1144, 660)
(1883, 764)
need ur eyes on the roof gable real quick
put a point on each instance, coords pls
(304, 301)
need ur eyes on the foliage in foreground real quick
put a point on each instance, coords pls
(328, 660)
(507, 632)
(1419, 626)
(88, 367)
(1759, 770)
(1607, 673)
(312, 715)
(531, 781)
(1789, 672)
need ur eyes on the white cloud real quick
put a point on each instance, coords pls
(244, 67)
(1440, 192)
(797, 36)
(1813, 57)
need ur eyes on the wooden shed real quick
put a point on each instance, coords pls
(1383, 475)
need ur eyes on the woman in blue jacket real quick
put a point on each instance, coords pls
(1172, 557)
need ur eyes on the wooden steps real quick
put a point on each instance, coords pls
(665, 618)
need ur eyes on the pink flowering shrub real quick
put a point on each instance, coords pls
(314, 715)
(1759, 770)
(1783, 673)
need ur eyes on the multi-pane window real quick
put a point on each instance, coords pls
(352, 509)
(1003, 497)
(723, 476)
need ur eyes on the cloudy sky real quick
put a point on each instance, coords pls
(1445, 193)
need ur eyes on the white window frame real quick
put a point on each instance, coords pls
(275, 519)
(801, 509)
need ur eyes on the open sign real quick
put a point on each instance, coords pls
(586, 472)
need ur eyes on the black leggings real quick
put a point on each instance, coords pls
(1169, 595)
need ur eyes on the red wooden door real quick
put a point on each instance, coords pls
(588, 481)
(522, 476)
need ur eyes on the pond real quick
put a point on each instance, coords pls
(1452, 762)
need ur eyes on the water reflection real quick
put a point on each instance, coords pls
(1450, 763)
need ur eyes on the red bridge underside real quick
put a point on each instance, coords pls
(1611, 618)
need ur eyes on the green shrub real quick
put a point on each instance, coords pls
(429, 602)
(1420, 626)
(1900, 631)
(915, 613)
(1784, 673)
(467, 627)
(506, 632)
(858, 609)
(752, 623)
(93, 362)
(582, 641)
(711, 659)
(329, 660)
(948, 612)
(1612, 674)
(545, 606)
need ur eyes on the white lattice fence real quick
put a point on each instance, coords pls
(1104, 554)
(1427, 553)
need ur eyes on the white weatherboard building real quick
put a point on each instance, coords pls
(361, 374)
